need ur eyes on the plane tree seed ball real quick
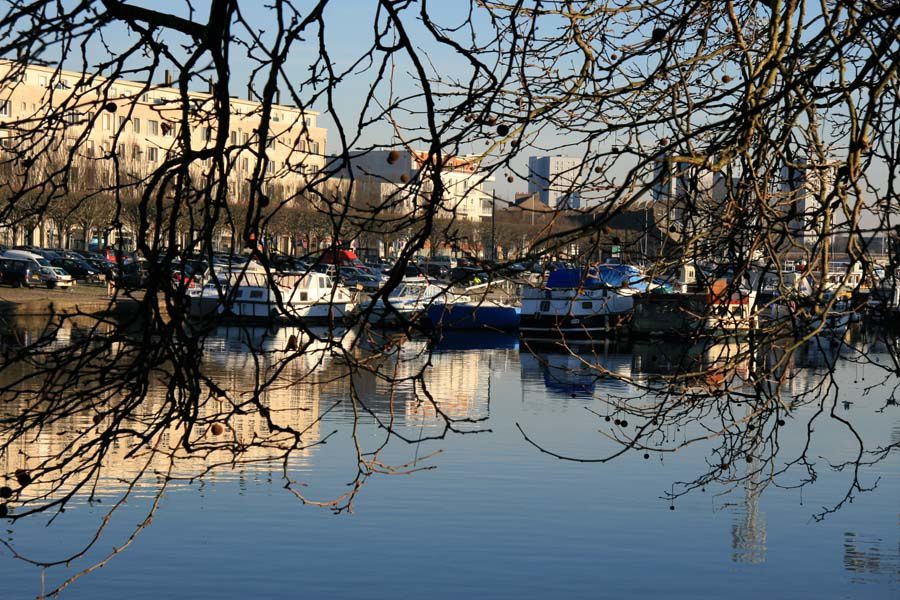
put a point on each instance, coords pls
(510, 179)
(23, 477)
(98, 419)
(5, 492)
(393, 156)
(217, 429)
(726, 78)
(658, 34)
(404, 178)
(110, 107)
(502, 129)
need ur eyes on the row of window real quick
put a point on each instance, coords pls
(45, 81)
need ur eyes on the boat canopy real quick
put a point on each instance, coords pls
(601, 276)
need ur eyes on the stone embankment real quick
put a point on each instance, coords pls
(81, 299)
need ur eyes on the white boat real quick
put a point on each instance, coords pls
(579, 305)
(250, 294)
(407, 302)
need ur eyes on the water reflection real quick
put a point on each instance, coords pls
(698, 408)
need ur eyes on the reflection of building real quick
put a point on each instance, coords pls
(748, 532)
(555, 180)
(457, 382)
(245, 442)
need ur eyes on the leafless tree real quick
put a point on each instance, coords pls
(695, 115)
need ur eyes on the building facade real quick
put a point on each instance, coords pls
(555, 179)
(804, 188)
(116, 126)
(400, 180)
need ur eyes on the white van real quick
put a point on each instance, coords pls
(37, 260)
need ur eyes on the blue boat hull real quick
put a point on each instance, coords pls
(474, 316)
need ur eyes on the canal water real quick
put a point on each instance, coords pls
(484, 512)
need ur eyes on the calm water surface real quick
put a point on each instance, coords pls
(495, 517)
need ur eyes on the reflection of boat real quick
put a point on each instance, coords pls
(240, 346)
(485, 340)
(252, 295)
(711, 362)
(579, 374)
(579, 304)
(467, 314)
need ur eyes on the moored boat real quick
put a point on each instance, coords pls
(251, 295)
(469, 314)
(580, 305)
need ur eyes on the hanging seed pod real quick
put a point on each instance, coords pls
(598, 170)
(392, 157)
(404, 178)
(217, 429)
(110, 107)
(292, 344)
(658, 34)
(502, 129)
(510, 179)
(97, 419)
(492, 120)
(5, 492)
(726, 78)
(23, 477)
(614, 57)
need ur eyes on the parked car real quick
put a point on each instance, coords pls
(325, 269)
(36, 260)
(55, 277)
(353, 277)
(414, 270)
(133, 275)
(17, 273)
(80, 269)
(101, 264)
(436, 271)
(189, 272)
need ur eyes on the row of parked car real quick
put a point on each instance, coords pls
(30, 266)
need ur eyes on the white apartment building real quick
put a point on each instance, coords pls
(136, 126)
